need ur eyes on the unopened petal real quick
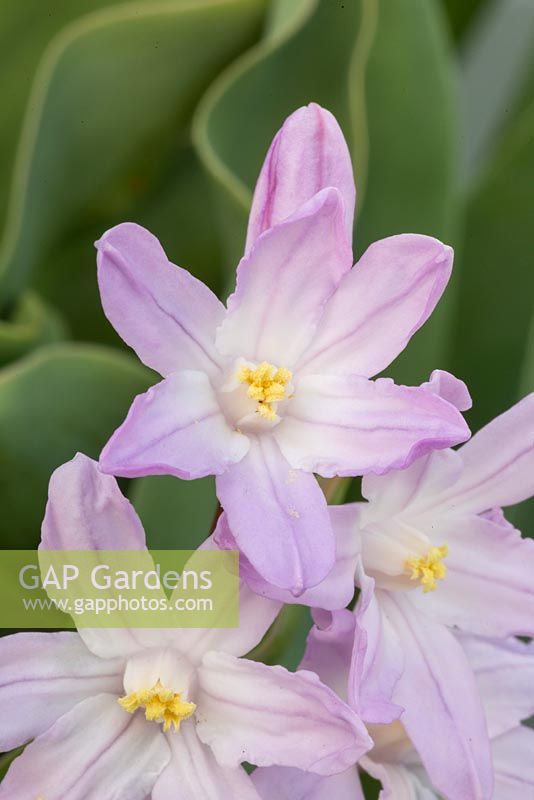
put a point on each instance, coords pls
(309, 153)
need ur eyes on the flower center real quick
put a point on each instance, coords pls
(267, 385)
(429, 569)
(160, 704)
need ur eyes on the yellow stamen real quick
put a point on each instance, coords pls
(267, 385)
(160, 704)
(429, 569)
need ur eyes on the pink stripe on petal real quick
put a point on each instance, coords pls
(340, 425)
(284, 282)
(308, 154)
(443, 714)
(164, 313)
(176, 428)
(279, 518)
(267, 715)
(194, 774)
(43, 676)
(498, 464)
(95, 752)
(379, 305)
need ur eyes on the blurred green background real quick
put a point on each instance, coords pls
(161, 112)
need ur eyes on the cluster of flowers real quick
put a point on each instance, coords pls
(418, 679)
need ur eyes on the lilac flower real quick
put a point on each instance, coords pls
(437, 528)
(440, 554)
(276, 387)
(154, 713)
(334, 592)
(504, 674)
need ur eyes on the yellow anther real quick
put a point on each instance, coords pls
(429, 569)
(160, 704)
(267, 385)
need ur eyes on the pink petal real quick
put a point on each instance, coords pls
(498, 464)
(256, 615)
(285, 783)
(95, 752)
(443, 714)
(283, 284)
(377, 661)
(335, 591)
(350, 426)
(329, 649)
(163, 312)
(409, 490)
(86, 511)
(267, 715)
(514, 765)
(308, 154)
(379, 305)
(176, 428)
(44, 675)
(450, 389)
(279, 518)
(504, 670)
(193, 773)
(488, 589)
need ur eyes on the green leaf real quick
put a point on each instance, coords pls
(7, 759)
(112, 99)
(371, 787)
(527, 371)
(63, 399)
(491, 86)
(233, 160)
(412, 123)
(285, 641)
(175, 514)
(497, 279)
(362, 60)
(522, 516)
(461, 14)
(412, 133)
(25, 30)
(31, 324)
(176, 209)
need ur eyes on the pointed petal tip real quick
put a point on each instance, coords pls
(307, 154)
(450, 388)
(298, 589)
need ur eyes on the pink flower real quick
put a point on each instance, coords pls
(438, 555)
(164, 714)
(504, 679)
(275, 387)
